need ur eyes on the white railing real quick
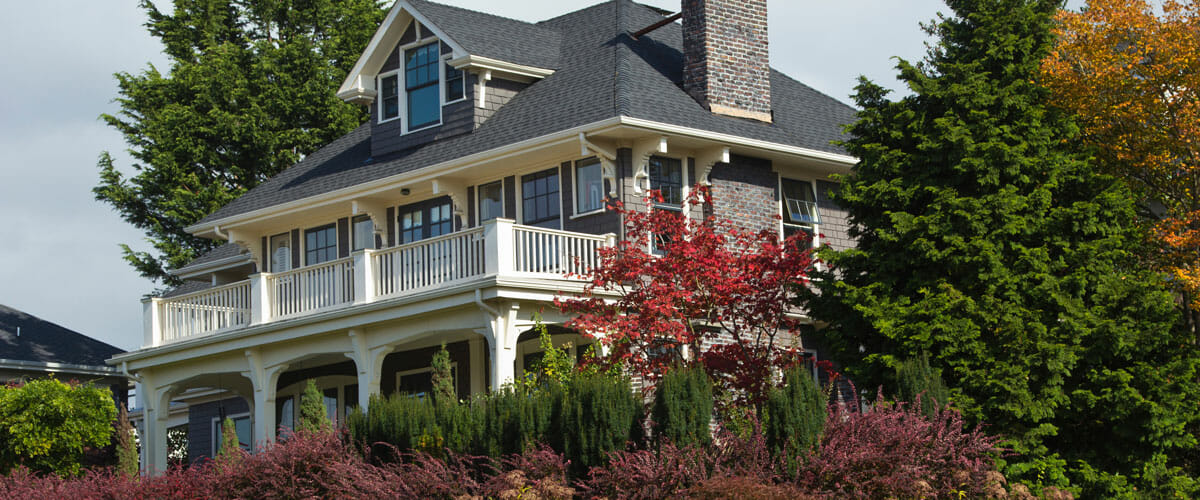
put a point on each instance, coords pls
(427, 263)
(497, 248)
(206, 311)
(311, 288)
(549, 251)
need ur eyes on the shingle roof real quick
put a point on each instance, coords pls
(602, 73)
(46, 342)
(222, 252)
(492, 36)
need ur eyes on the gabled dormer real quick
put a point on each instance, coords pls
(433, 71)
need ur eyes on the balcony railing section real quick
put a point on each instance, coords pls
(428, 263)
(549, 251)
(498, 248)
(206, 311)
(311, 288)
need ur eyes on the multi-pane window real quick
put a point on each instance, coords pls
(281, 253)
(539, 198)
(241, 426)
(455, 89)
(421, 85)
(666, 176)
(364, 232)
(799, 207)
(389, 97)
(491, 201)
(589, 186)
(412, 225)
(320, 244)
(440, 220)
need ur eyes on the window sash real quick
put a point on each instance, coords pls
(589, 186)
(799, 202)
(666, 176)
(389, 97)
(455, 84)
(491, 201)
(421, 83)
(364, 233)
(320, 244)
(539, 197)
(281, 253)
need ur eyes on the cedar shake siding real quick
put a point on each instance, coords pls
(497, 92)
(604, 222)
(457, 118)
(834, 220)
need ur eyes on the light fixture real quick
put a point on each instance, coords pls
(405, 191)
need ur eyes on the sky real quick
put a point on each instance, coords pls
(60, 257)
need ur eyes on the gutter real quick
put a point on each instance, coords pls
(17, 364)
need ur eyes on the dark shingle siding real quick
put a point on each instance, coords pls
(602, 73)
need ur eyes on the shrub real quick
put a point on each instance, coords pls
(919, 384)
(600, 414)
(127, 452)
(795, 417)
(45, 424)
(647, 474)
(443, 392)
(683, 403)
(313, 417)
(895, 451)
(744, 488)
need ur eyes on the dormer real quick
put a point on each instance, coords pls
(433, 71)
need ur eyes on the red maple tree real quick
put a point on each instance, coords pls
(680, 290)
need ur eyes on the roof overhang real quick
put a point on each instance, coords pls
(619, 126)
(50, 367)
(479, 63)
(192, 271)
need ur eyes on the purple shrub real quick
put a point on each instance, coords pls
(894, 451)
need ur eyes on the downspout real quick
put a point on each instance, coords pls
(217, 231)
(482, 305)
(125, 371)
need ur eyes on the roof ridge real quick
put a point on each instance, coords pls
(489, 14)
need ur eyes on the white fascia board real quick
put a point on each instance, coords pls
(208, 267)
(486, 63)
(384, 39)
(776, 147)
(449, 167)
(17, 364)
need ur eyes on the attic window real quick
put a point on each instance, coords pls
(421, 85)
(389, 103)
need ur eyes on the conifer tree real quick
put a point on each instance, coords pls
(127, 448)
(795, 417)
(917, 381)
(250, 90)
(313, 417)
(443, 378)
(985, 240)
(683, 405)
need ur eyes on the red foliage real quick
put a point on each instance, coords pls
(708, 284)
(744, 488)
(894, 451)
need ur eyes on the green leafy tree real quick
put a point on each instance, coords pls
(987, 241)
(683, 407)
(313, 417)
(45, 424)
(794, 416)
(249, 92)
(915, 380)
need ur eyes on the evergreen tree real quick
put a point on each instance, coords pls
(915, 380)
(313, 417)
(683, 404)
(794, 417)
(249, 92)
(443, 378)
(127, 448)
(230, 447)
(986, 241)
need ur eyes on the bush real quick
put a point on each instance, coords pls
(600, 414)
(46, 424)
(895, 451)
(313, 416)
(919, 384)
(683, 403)
(795, 417)
(744, 488)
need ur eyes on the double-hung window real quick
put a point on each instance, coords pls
(539, 198)
(455, 84)
(421, 65)
(589, 186)
(666, 176)
(491, 201)
(320, 244)
(799, 208)
(364, 233)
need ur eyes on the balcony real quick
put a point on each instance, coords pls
(499, 248)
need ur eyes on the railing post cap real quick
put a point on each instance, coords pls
(147, 300)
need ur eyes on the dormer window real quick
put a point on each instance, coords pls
(389, 102)
(421, 85)
(454, 84)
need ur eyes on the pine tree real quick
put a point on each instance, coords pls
(987, 241)
(249, 92)
(313, 417)
(917, 381)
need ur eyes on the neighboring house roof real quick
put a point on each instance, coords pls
(602, 73)
(41, 341)
(495, 37)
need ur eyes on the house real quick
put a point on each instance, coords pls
(31, 348)
(453, 215)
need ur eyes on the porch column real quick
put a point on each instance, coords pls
(264, 380)
(154, 421)
(368, 363)
(477, 349)
(260, 299)
(503, 338)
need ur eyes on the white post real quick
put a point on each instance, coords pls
(260, 299)
(498, 246)
(364, 276)
(154, 422)
(501, 330)
(610, 240)
(477, 348)
(368, 362)
(263, 380)
(151, 322)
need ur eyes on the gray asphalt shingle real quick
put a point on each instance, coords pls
(45, 342)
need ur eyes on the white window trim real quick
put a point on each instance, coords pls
(399, 96)
(354, 233)
(216, 431)
(575, 189)
(780, 208)
(685, 184)
(403, 85)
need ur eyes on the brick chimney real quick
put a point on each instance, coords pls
(726, 67)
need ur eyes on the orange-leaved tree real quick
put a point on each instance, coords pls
(1130, 71)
